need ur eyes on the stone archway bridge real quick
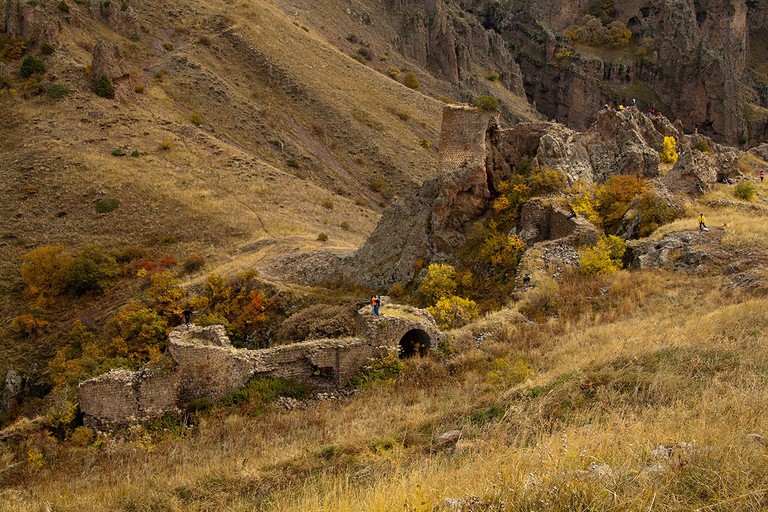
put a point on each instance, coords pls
(202, 363)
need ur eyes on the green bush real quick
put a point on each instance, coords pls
(358, 58)
(111, 204)
(655, 213)
(104, 88)
(745, 190)
(92, 270)
(135, 153)
(260, 392)
(486, 102)
(196, 119)
(47, 49)
(117, 152)
(63, 6)
(384, 369)
(492, 76)
(31, 65)
(56, 91)
(322, 237)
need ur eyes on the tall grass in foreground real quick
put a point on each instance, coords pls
(630, 363)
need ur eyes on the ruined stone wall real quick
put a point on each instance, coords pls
(462, 137)
(201, 363)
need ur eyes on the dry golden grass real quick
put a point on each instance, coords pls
(657, 359)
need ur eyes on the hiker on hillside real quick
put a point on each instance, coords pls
(376, 305)
(187, 316)
(762, 175)
(702, 223)
(373, 304)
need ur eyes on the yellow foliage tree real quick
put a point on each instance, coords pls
(45, 271)
(454, 312)
(606, 256)
(439, 282)
(668, 155)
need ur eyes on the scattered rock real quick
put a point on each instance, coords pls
(446, 441)
(756, 438)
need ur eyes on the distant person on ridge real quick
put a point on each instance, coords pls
(702, 223)
(377, 305)
(187, 316)
(762, 175)
(373, 304)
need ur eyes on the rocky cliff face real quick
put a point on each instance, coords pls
(476, 155)
(700, 62)
(442, 37)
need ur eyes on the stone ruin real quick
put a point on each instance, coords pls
(202, 363)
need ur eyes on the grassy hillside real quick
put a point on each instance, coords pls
(638, 390)
(564, 415)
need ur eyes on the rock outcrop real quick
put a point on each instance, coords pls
(31, 22)
(120, 17)
(436, 35)
(108, 59)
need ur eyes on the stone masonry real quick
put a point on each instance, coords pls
(202, 363)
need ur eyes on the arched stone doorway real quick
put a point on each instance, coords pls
(414, 342)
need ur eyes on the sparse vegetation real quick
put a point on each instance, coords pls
(63, 6)
(492, 76)
(410, 81)
(47, 49)
(591, 31)
(196, 119)
(486, 102)
(139, 89)
(745, 190)
(110, 204)
(703, 146)
(57, 91)
(328, 204)
(425, 143)
(165, 145)
(322, 237)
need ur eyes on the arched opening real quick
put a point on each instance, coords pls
(414, 342)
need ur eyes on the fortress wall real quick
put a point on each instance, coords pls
(109, 399)
(203, 363)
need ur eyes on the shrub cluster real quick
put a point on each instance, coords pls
(104, 88)
(745, 190)
(486, 102)
(31, 66)
(593, 32)
(319, 321)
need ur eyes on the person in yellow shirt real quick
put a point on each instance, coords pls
(702, 222)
